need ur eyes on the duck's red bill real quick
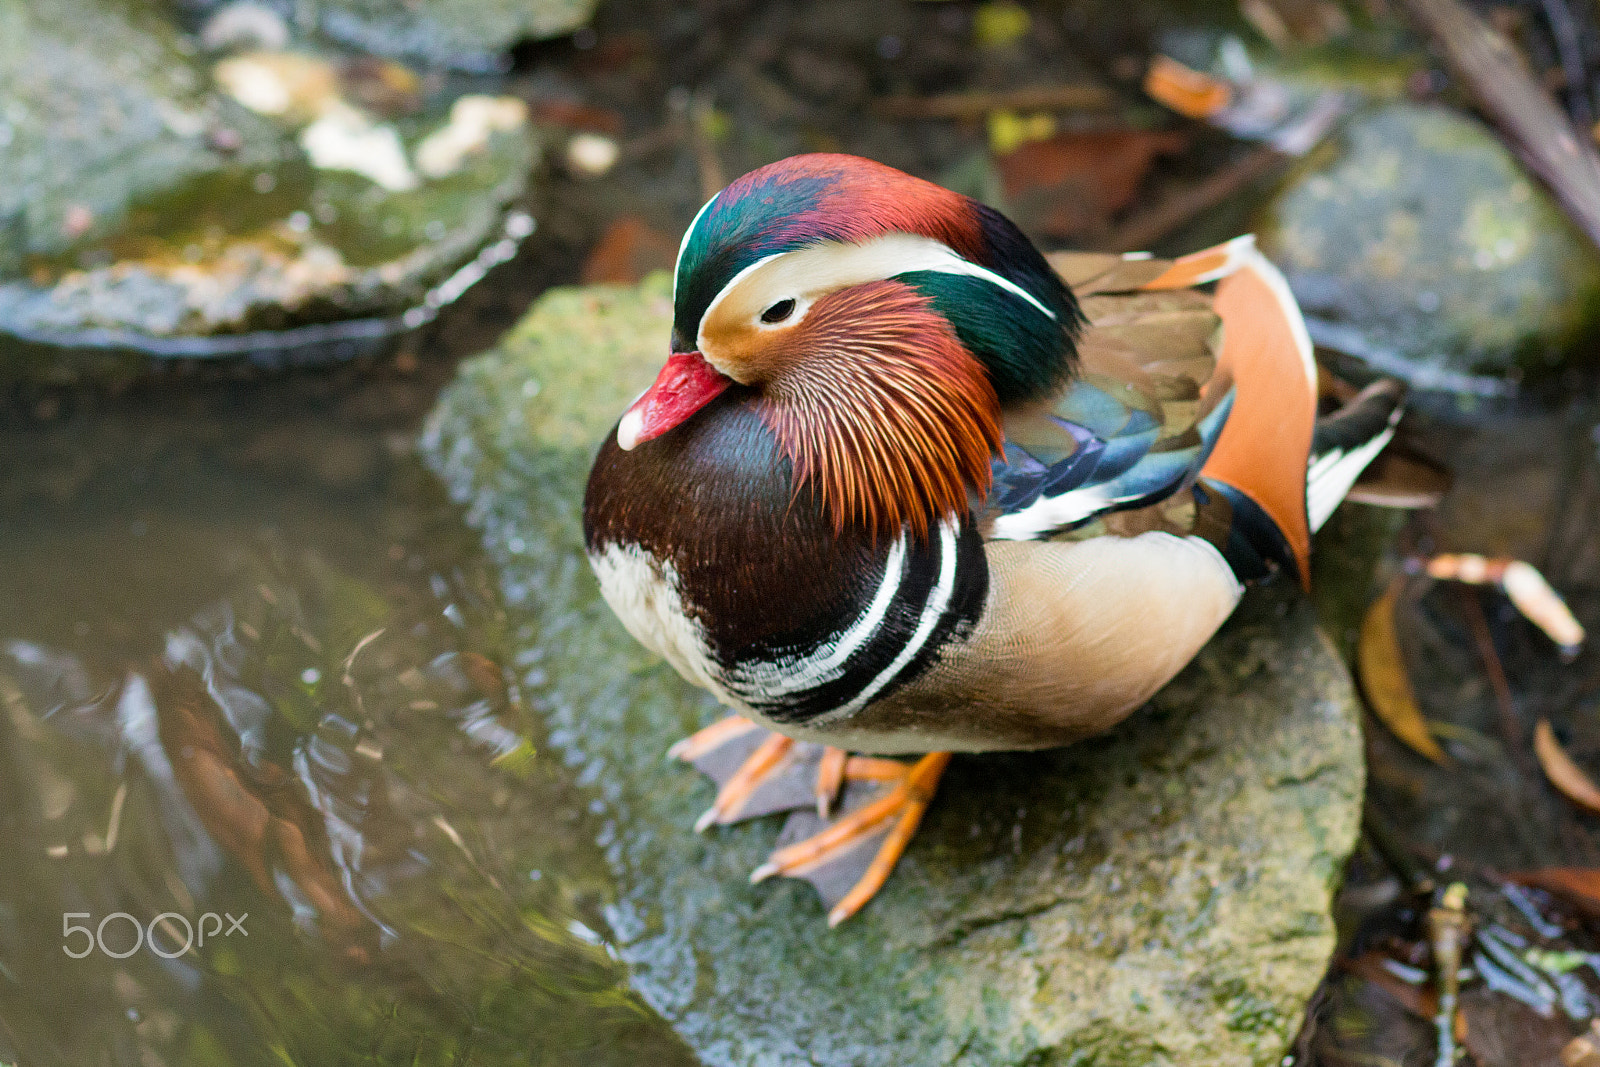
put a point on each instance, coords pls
(685, 385)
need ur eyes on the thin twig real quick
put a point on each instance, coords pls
(976, 103)
(1472, 608)
(350, 661)
(1147, 227)
(705, 152)
(1565, 31)
(1530, 121)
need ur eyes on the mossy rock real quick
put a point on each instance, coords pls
(470, 35)
(1157, 896)
(1425, 247)
(146, 214)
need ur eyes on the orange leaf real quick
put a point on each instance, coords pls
(1562, 772)
(1384, 680)
(1189, 92)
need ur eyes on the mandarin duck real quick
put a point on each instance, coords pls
(907, 486)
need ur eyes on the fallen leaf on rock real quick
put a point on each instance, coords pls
(1383, 677)
(391, 89)
(346, 139)
(290, 84)
(627, 251)
(1076, 181)
(474, 119)
(1564, 774)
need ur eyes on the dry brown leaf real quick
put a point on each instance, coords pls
(1583, 1050)
(1400, 480)
(1074, 182)
(1565, 775)
(1384, 681)
(627, 251)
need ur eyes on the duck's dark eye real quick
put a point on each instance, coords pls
(779, 311)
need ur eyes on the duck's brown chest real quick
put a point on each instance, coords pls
(711, 557)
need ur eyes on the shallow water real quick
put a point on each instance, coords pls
(251, 666)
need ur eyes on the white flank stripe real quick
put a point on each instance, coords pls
(800, 673)
(938, 603)
(1327, 486)
(1051, 513)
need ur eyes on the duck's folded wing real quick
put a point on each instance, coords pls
(1136, 424)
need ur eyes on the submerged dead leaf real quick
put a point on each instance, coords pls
(1564, 774)
(1400, 479)
(1578, 886)
(1384, 680)
(1419, 1000)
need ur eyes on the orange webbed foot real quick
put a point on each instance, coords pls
(848, 859)
(759, 772)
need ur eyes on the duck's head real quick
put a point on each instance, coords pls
(880, 322)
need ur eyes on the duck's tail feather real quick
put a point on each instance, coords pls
(1346, 441)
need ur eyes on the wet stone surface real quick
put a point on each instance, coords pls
(158, 195)
(471, 35)
(1159, 896)
(1422, 246)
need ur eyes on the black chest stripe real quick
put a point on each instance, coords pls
(924, 594)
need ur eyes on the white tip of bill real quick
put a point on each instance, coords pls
(629, 429)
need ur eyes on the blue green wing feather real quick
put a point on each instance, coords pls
(1131, 431)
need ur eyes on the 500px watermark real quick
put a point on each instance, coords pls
(124, 926)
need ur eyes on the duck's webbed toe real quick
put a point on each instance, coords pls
(847, 858)
(759, 772)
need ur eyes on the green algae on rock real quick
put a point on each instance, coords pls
(1421, 245)
(1158, 896)
(145, 209)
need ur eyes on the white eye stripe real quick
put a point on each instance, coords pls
(830, 265)
(683, 245)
